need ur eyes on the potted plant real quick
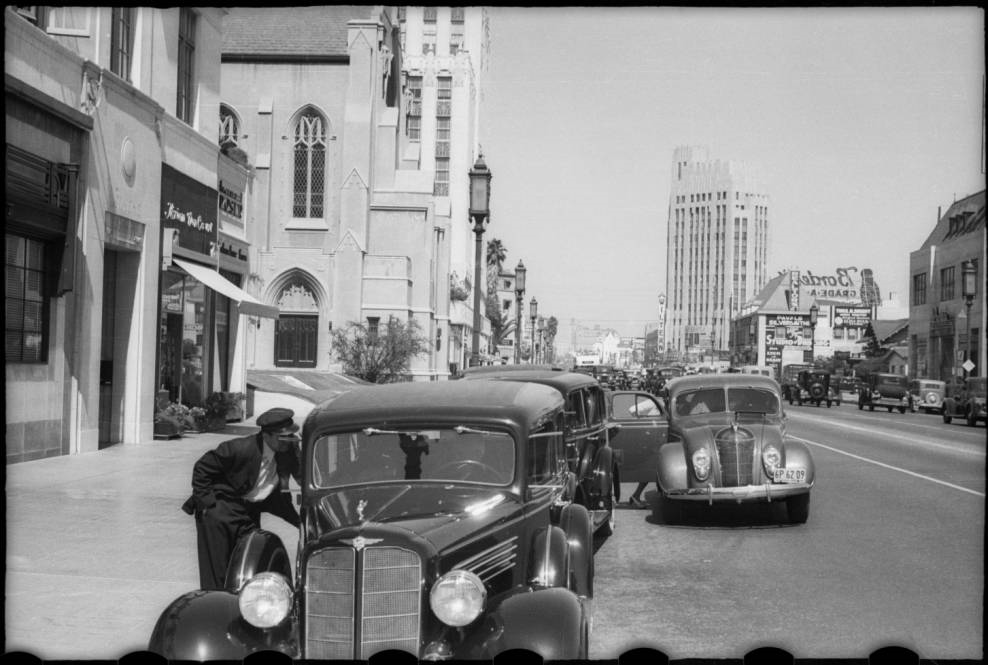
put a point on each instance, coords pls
(172, 419)
(222, 406)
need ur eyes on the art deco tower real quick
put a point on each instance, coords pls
(717, 248)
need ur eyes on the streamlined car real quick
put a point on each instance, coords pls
(436, 518)
(727, 443)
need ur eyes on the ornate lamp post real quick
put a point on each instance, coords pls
(814, 313)
(533, 312)
(969, 287)
(540, 355)
(752, 340)
(480, 199)
(519, 294)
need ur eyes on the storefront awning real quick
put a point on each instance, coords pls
(246, 303)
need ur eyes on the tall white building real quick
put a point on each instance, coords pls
(717, 248)
(444, 57)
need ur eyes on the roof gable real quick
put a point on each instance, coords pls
(962, 217)
(319, 30)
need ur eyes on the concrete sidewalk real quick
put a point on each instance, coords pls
(97, 544)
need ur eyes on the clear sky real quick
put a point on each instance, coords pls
(862, 121)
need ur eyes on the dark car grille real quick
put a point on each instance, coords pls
(735, 448)
(359, 603)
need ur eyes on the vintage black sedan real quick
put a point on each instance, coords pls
(590, 456)
(727, 443)
(437, 519)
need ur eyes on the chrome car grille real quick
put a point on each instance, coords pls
(360, 602)
(735, 449)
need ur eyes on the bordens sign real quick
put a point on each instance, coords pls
(841, 284)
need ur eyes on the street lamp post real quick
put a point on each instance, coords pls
(969, 286)
(480, 199)
(519, 295)
(814, 313)
(540, 355)
(752, 341)
(533, 312)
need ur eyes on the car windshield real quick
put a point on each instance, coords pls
(711, 400)
(976, 386)
(930, 385)
(374, 455)
(893, 379)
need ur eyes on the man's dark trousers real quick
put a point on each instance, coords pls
(220, 528)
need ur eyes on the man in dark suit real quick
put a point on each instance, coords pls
(237, 481)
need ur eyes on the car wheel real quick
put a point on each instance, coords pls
(972, 420)
(890, 409)
(798, 508)
(860, 406)
(871, 407)
(946, 417)
(828, 403)
(902, 409)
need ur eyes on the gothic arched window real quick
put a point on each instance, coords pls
(309, 150)
(229, 128)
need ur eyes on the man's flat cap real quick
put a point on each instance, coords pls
(276, 420)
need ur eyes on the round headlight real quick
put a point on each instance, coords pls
(457, 598)
(265, 600)
(701, 464)
(771, 459)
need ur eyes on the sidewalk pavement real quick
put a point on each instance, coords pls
(97, 544)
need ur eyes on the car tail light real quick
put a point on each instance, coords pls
(771, 459)
(701, 464)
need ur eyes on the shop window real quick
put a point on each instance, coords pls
(26, 308)
(310, 165)
(186, 65)
(122, 41)
(183, 340)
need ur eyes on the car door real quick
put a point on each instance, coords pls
(638, 427)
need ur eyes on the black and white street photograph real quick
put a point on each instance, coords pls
(425, 333)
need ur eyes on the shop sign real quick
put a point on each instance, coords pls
(783, 330)
(234, 250)
(190, 207)
(794, 290)
(851, 317)
(231, 203)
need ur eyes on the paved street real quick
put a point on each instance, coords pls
(892, 553)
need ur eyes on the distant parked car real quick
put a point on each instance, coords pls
(968, 404)
(727, 444)
(885, 390)
(816, 387)
(928, 394)
(437, 519)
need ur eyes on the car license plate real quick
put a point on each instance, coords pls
(790, 475)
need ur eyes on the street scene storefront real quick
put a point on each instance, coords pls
(200, 298)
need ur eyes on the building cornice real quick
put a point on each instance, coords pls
(18, 88)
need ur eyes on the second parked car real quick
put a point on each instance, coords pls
(883, 390)
(968, 403)
(927, 395)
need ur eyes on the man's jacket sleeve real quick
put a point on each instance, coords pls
(208, 469)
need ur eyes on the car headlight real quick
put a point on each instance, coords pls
(701, 464)
(265, 600)
(771, 459)
(457, 598)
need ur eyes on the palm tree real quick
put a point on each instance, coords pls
(496, 254)
(551, 327)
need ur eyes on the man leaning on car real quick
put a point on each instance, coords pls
(237, 481)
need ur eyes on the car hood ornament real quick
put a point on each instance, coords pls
(360, 509)
(360, 542)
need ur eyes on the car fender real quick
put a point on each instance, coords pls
(206, 625)
(549, 562)
(257, 552)
(672, 471)
(797, 454)
(552, 623)
(575, 522)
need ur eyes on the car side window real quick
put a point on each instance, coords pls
(593, 407)
(575, 406)
(633, 407)
(545, 455)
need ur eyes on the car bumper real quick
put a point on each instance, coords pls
(748, 493)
